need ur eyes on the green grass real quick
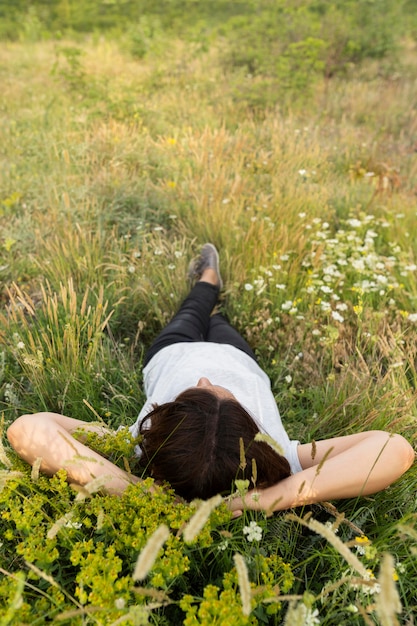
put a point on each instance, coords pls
(113, 171)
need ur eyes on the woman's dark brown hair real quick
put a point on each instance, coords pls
(194, 444)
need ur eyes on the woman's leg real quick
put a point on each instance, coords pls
(191, 323)
(220, 331)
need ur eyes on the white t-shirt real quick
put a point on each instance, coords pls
(179, 366)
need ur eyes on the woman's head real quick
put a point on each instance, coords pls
(194, 444)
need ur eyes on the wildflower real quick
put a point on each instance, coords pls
(75, 525)
(34, 361)
(171, 266)
(412, 317)
(120, 603)
(337, 317)
(288, 378)
(329, 524)
(302, 172)
(253, 532)
(248, 287)
(363, 539)
(312, 617)
(20, 345)
(131, 269)
(301, 615)
(358, 264)
(149, 553)
(368, 584)
(354, 223)
(9, 394)
(64, 521)
(286, 306)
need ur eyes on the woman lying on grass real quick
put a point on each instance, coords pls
(207, 400)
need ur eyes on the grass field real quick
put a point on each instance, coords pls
(114, 170)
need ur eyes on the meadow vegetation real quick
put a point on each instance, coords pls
(129, 136)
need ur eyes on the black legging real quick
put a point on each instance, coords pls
(194, 322)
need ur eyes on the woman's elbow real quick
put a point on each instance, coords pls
(401, 453)
(15, 431)
(405, 451)
(23, 429)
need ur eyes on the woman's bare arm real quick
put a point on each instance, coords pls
(343, 467)
(48, 436)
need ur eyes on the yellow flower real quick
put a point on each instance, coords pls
(363, 539)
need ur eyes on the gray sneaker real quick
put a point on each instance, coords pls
(209, 258)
